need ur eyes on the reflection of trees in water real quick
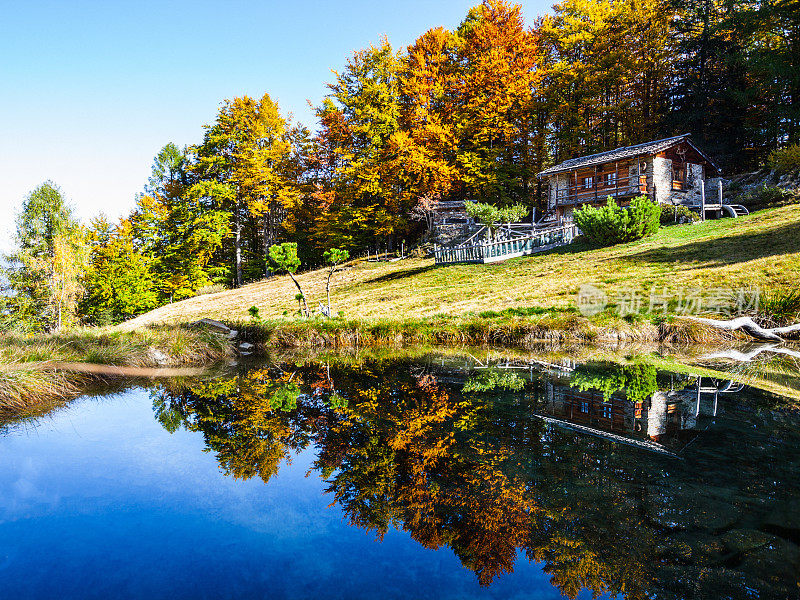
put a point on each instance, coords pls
(250, 422)
(475, 471)
(637, 381)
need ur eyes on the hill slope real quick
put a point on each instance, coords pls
(761, 250)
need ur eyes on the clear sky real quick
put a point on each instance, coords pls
(91, 90)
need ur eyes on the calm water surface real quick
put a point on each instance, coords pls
(432, 477)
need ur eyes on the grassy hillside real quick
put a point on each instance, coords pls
(762, 250)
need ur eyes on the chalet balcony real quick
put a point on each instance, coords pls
(589, 189)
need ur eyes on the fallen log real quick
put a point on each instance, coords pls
(750, 355)
(750, 327)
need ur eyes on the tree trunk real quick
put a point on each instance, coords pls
(267, 243)
(299, 289)
(237, 224)
(328, 289)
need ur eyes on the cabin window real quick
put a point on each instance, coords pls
(584, 407)
(588, 182)
(678, 176)
(606, 411)
(611, 179)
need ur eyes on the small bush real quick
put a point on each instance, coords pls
(781, 306)
(612, 224)
(254, 314)
(767, 196)
(785, 160)
(677, 215)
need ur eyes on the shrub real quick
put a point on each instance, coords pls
(785, 160)
(767, 196)
(493, 217)
(677, 214)
(283, 257)
(780, 305)
(254, 314)
(638, 381)
(612, 224)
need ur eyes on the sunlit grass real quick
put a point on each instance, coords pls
(757, 251)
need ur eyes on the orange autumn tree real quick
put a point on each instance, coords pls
(498, 58)
(424, 150)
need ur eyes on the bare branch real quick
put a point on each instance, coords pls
(750, 327)
(748, 356)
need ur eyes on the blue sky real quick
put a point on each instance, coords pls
(92, 90)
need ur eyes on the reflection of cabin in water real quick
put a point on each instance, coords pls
(664, 421)
(668, 171)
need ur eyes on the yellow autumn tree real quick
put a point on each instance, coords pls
(424, 150)
(243, 164)
(608, 72)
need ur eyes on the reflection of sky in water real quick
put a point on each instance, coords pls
(100, 501)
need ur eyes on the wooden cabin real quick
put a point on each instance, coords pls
(669, 171)
(451, 212)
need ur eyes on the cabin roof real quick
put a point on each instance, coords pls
(647, 148)
(450, 204)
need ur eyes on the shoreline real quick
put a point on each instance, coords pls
(518, 332)
(40, 373)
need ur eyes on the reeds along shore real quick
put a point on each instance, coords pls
(38, 373)
(513, 331)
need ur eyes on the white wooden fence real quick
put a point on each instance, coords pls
(486, 252)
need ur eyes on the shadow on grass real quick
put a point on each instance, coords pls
(727, 250)
(576, 247)
(401, 274)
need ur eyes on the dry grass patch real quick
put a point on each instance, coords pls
(760, 250)
(31, 380)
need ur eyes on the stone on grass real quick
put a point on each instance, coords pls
(213, 325)
(156, 356)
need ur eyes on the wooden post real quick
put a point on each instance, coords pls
(702, 200)
(638, 176)
(616, 179)
(576, 186)
(595, 183)
(720, 192)
(556, 204)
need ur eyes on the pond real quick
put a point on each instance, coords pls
(427, 474)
